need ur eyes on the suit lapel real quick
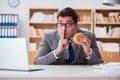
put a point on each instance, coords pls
(57, 37)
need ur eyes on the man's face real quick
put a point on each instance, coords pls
(66, 26)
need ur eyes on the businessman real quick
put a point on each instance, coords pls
(58, 48)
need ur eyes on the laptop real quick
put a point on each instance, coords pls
(14, 56)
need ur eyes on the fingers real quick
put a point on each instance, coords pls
(63, 34)
(63, 37)
(85, 41)
(65, 42)
(62, 45)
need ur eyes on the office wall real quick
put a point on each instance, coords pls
(23, 9)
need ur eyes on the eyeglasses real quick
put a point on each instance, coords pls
(68, 25)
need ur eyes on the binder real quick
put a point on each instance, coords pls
(9, 33)
(6, 20)
(15, 21)
(14, 33)
(3, 33)
(8, 23)
(0, 33)
(0, 20)
(10, 20)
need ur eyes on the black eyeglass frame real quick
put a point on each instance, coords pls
(68, 25)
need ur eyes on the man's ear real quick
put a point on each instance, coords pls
(76, 25)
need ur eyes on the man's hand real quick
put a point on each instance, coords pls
(62, 44)
(85, 42)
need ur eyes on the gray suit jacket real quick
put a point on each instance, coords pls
(49, 43)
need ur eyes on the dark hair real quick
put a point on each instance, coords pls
(68, 12)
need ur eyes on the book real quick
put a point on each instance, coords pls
(110, 31)
(110, 47)
(33, 31)
(32, 46)
(116, 32)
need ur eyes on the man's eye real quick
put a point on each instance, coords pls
(61, 23)
(70, 24)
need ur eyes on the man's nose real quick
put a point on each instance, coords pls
(64, 27)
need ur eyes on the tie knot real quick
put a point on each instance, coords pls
(70, 46)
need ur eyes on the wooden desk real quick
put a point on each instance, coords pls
(60, 72)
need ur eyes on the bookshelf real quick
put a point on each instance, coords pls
(8, 25)
(85, 19)
(108, 22)
(37, 26)
(40, 20)
(107, 30)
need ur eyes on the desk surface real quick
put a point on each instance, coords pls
(60, 72)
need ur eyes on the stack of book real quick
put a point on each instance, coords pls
(40, 17)
(108, 47)
(113, 17)
(113, 32)
(33, 32)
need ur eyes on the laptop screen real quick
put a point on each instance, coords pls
(13, 53)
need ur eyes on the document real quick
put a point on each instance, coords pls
(111, 67)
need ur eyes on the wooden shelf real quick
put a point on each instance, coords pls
(107, 20)
(115, 40)
(8, 26)
(110, 56)
(107, 24)
(32, 55)
(44, 23)
(85, 18)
